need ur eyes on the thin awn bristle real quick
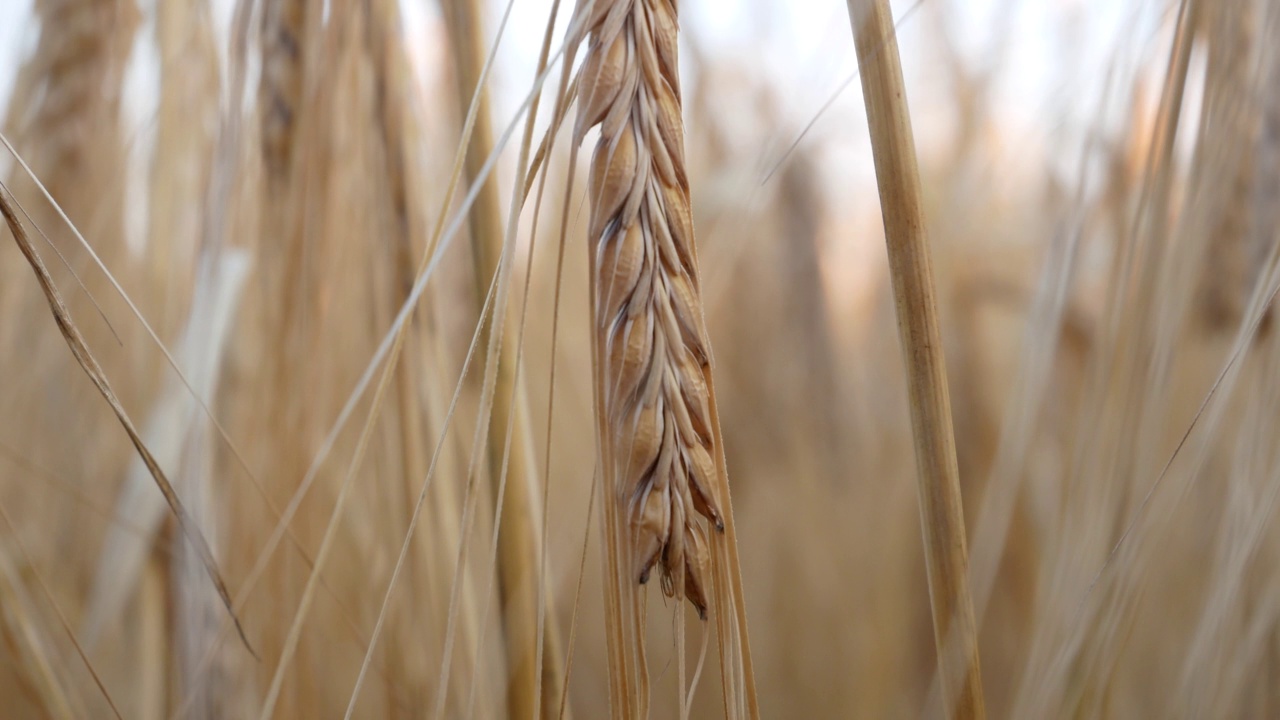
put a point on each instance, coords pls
(648, 309)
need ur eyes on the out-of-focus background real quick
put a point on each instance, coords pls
(261, 180)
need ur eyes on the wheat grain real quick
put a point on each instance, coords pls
(648, 311)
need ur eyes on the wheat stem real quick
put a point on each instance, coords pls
(897, 175)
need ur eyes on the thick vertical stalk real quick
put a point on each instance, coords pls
(897, 175)
(519, 546)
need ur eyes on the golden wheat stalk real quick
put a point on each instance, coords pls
(910, 267)
(649, 330)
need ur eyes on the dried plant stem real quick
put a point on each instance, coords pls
(897, 175)
(75, 341)
(509, 439)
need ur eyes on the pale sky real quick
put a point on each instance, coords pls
(1056, 53)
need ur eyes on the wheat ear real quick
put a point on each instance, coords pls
(651, 341)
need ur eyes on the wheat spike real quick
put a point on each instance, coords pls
(649, 328)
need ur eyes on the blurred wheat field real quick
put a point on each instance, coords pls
(341, 263)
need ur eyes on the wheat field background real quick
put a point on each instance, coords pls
(359, 358)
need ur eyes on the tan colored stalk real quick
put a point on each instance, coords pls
(509, 441)
(80, 350)
(659, 434)
(941, 514)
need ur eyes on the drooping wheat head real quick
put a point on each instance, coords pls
(651, 340)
